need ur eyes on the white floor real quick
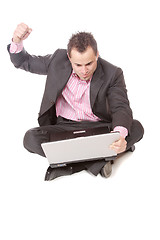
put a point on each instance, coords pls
(80, 206)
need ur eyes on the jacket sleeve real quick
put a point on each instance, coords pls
(118, 102)
(31, 63)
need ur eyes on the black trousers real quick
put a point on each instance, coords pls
(36, 136)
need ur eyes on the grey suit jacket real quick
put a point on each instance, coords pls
(108, 94)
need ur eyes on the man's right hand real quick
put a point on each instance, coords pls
(21, 33)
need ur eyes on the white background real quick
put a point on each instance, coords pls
(81, 206)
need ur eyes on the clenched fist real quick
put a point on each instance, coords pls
(21, 33)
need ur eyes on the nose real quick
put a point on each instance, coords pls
(84, 69)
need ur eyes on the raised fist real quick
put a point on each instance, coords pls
(21, 33)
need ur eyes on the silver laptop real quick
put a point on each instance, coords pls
(79, 146)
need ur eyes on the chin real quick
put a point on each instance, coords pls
(85, 78)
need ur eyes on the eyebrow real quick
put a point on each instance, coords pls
(85, 64)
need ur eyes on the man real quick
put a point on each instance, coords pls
(82, 91)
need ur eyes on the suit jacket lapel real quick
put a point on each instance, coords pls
(96, 83)
(54, 85)
(63, 77)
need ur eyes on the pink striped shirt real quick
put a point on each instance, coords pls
(74, 102)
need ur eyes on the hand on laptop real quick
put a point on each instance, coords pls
(119, 146)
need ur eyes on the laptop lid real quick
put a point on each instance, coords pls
(79, 148)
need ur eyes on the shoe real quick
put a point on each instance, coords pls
(106, 171)
(53, 173)
(131, 149)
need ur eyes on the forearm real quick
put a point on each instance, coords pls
(31, 63)
(20, 59)
(118, 102)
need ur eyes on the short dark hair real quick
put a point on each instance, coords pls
(81, 41)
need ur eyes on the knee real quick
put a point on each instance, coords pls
(138, 129)
(33, 139)
(28, 139)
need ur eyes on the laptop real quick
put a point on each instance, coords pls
(75, 146)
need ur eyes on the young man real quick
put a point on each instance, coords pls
(82, 91)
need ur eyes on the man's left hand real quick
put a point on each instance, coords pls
(119, 146)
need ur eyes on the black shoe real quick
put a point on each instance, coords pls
(131, 149)
(53, 173)
(106, 171)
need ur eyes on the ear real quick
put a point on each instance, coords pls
(68, 57)
(97, 55)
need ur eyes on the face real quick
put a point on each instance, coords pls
(84, 64)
